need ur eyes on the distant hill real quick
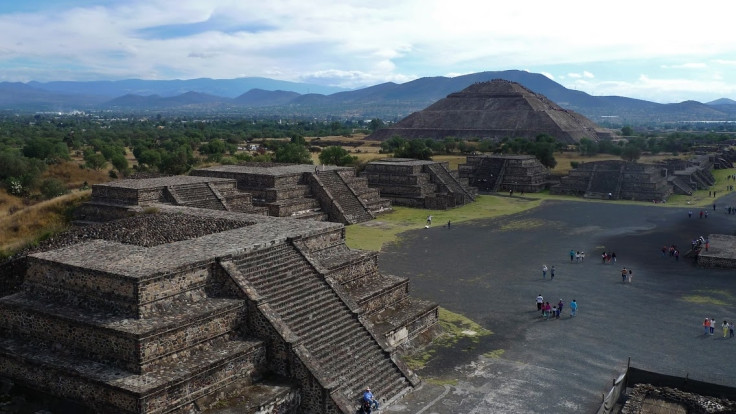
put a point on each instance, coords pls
(388, 101)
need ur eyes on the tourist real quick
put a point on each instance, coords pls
(631, 275)
(448, 224)
(707, 244)
(603, 258)
(689, 214)
(546, 309)
(540, 302)
(577, 257)
(624, 274)
(560, 305)
(712, 326)
(701, 214)
(706, 326)
(582, 256)
(613, 256)
(664, 251)
(552, 272)
(555, 312)
(369, 400)
(573, 308)
(572, 255)
(706, 213)
(730, 329)
(429, 220)
(544, 271)
(724, 326)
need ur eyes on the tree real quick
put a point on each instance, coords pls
(627, 131)
(46, 149)
(94, 160)
(292, 153)
(416, 148)
(588, 146)
(336, 156)
(631, 153)
(393, 144)
(120, 163)
(376, 124)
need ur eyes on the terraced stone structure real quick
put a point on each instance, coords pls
(523, 173)
(686, 176)
(494, 110)
(721, 252)
(616, 180)
(418, 183)
(305, 191)
(182, 326)
(114, 200)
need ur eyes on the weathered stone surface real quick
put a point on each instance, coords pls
(418, 183)
(520, 173)
(494, 110)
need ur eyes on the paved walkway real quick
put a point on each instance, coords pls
(490, 271)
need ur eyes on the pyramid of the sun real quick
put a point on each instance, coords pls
(497, 109)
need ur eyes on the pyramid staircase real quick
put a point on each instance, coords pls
(342, 355)
(346, 202)
(198, 195)
(499, 177)
(450, 184)
(100, 338)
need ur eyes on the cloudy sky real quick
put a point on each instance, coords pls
(655, 50)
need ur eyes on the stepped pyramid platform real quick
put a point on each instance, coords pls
(113, 200)
(179, 326)
(494, 110)
(418, 183)
(305, 191)
(616, 180)
(522, 173)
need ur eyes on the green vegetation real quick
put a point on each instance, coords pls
(374, 234)
(710, 297)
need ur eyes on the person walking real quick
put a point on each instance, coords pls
(689, 214)
(546, 309)
(540, 302)
(613, 257)
(624, 274)
(712, 326)
(544, 271)
(706, 326)
(730, 329)
(560, 305)
(552, 272)
(429, 220)
(631, 275)
(724, 326)
(573, 308)
(555, 312)
(572, 255)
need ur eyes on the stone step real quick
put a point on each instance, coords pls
(136, 345)
(296, 314)
(269, 278)
(323, 324)
(305, 280)
(110, 389)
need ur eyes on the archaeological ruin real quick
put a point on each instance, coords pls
(181, 309)
(616, 180)
(279, 190)
(493, 173)
(494, 110)
(418, 183)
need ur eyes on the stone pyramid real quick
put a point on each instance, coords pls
(497, 109)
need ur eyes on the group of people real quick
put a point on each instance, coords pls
(577, 256)
(551, 271)
(554, 311)
(608, 257)
(709, 327)
(672, 249)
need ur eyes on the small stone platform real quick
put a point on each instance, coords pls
(721, 252)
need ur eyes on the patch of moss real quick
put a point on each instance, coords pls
(710, 297)
(529, 224)
(495, 354)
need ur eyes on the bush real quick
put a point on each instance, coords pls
(52, 187)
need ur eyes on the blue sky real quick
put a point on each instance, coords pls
(659, 51)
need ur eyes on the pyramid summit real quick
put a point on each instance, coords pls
(495, 110)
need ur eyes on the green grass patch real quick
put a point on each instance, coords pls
(372, 235)
(710, 297)
(456, 330)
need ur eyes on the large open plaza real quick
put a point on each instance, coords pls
(491, 271)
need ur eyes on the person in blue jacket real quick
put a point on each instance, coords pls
(369, 399)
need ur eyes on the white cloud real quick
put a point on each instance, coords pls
(357, 43)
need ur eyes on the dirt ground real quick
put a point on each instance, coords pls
(490, 271)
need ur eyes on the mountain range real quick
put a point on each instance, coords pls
(388, 101)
